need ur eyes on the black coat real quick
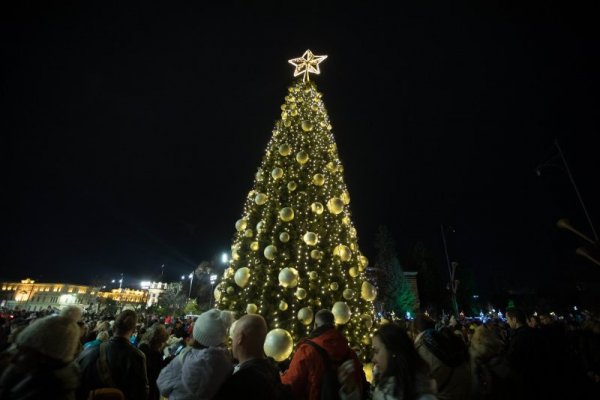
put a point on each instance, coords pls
(256, 379)
(127, 366)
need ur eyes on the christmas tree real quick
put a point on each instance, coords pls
(295, 250)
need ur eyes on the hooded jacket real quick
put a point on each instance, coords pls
(307, 368)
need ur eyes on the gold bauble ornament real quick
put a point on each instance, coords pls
(353, 272)
(284, 237)
(278, 344)
(366, 320)
(261, 199)
(316, 254)
(346, 220)
(235, 255)
(277, 173)
(310, 238)
(259, 175)
(285, 149)
(334, 286)
(331, 166)
(292, 186)
(242, 276)
(288, 277)
(366, 341)
(284, 115)
(341, 312)
(335, 205)
(251, 308)
(248, 233)
(286, 214)
(363, 262)
(217, 293)
(241, 224)
(345, 196)
(287, 123)
(294, 112)
(261, 226)
(353, 234)
(305, 316)
(230, 290)
(316, 207)
(348, 294)
(270, 252)
(368, 291)
(254, 246)
(318, 180)
(307, 126)
(302, 157)
(300, 293)
(283, 305)
(343, 252)
(313, 275)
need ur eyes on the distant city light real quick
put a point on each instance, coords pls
(213, 279)
(113, 281)
(191, 275)
(182, 277)
(145, 284)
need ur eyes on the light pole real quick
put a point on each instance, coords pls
(453, 284)
(213, 279)
(191, 276)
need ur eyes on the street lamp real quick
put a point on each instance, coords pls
(453, 283)
(224, 258)
(213, 279)
(191, 276)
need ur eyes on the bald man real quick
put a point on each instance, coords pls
(256, 377)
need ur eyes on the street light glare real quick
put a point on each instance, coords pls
(224, 258)
(213, 278)
(191, 275)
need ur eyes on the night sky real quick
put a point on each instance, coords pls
(132, 133)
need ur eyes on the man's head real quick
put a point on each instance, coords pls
(324, 318)
(125, 323)
(248, 337)
(515, 317)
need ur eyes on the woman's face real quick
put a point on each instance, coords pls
(380, 355)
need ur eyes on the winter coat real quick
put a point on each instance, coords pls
(447, 358)
(154, 364)
(126, 365)
(384, 390)
(307, 368)
(195, 374)
(31, 375)
(492, 379)
(255, 379)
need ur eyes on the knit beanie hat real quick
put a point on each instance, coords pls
(54, 336)
(211, 327)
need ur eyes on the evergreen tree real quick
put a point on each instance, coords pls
(395, 293)
(295, 250)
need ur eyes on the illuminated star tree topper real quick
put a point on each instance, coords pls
(307, 64)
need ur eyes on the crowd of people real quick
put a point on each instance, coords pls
(70, 355)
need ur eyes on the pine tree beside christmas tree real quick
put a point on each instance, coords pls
(295, 250)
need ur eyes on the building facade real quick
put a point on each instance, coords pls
(30, 295)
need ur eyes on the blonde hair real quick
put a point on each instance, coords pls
(485, 344)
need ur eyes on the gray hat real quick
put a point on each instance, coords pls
(54, 336)
(211, 328)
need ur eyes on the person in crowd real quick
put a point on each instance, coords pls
(201, 368)
(255, 377)
(447, 357)
(73, 312)
(41, 366)
(399, 373)
(116, 363)
(525, 355)
(102, 336)
(492, 378)
(152, 345)
(308, 366)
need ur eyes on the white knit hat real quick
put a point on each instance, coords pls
(211, 327)
(54, 336)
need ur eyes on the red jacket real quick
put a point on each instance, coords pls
(307, 368)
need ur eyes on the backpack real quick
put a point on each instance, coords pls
(330, 386)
